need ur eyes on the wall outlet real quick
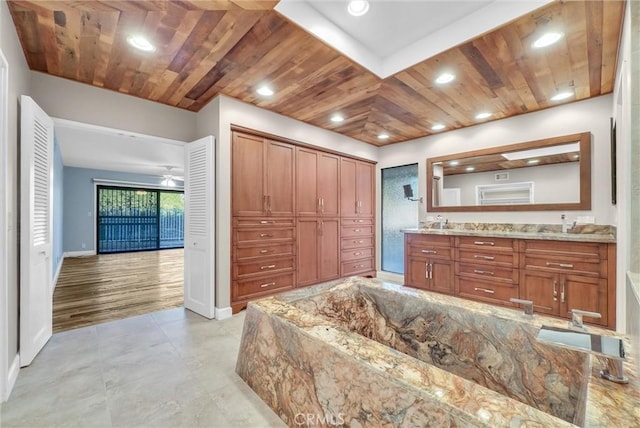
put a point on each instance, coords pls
(586, 219)
(84, 245)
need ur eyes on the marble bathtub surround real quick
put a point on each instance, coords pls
(580, 232)
(311, 351)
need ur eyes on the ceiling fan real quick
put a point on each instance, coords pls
(170, 179)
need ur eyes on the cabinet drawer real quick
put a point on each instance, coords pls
(265, 235)
(348, 231)
(359, 253)
(351, 268)
(496, 273)
(570, 265)
(263, 267)
(578, 250)
(438, 240)
(482, 242)
(263, 222)
(356, 221)
(428, 250)
(260, 286)
(255, 251)
(350, 243)
(483, 256)
(488, 291)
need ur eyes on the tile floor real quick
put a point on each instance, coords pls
(165, 369)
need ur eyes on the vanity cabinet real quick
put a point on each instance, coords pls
(556, 275)
(357, 190)
(560, 276)
(429, 262)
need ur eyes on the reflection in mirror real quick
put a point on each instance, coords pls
(545, 174)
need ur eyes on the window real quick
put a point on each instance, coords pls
(399, 211)
(139, 219)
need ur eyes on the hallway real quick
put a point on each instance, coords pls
(108, 287)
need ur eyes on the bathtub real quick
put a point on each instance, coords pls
(365, 353)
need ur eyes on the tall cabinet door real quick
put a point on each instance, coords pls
(307, 171)
(348, 187)
(364, 191)
(280, 160)
(248, 170)
(329, 251)
(307, 240)
(329, 184)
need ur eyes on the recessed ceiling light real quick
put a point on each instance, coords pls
(454, 163)
(470, 168)
(383, 136)
(358, 7)
(562, 96)
(445, 78)
(547, 39)
(483, 115)
(141, 43)
(265, 91)
(337, 118)
(533, 161)
(438, 127)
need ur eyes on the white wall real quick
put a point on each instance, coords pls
(216, 119)
(18, 85)
(66, 99)
(590, 115)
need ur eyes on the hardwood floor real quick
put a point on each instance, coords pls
(107, 287)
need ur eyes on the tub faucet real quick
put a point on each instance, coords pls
(576, 318)
(442, 221)
(528, 305)
(611, 348)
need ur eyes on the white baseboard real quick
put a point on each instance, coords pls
(223, 313)
(12, 376)
(389, 276)
(79, 253)
(57, 274)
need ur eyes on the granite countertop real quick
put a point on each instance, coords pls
(580, 233)
(608, 404)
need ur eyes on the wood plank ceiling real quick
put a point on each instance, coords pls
(230, 47)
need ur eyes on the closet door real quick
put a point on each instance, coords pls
(348, 187)
(307, 240)
(329, 249)
(307, 171)
(248, 171)
(280, 179)
(329, 184)
(364, 192)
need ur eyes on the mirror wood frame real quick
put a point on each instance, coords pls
(584, 138)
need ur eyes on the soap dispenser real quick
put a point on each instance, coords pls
(565, 224)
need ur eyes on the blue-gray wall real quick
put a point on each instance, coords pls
(58, 207)
(79, 203)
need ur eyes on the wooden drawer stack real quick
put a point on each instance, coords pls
(264, 257)
(487, 269)
(357, 246)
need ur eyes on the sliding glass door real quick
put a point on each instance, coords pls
(139, 219)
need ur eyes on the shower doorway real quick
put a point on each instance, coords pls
(399, 211)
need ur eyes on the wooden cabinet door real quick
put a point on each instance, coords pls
(248, 169)
(280, 178)
(441, 276)
(588, 294)
(307, 242)
(365, 173)
(307, 171)
(543, 289)
(329, 184)
(329, 251)
(348, 187)
(416, 275)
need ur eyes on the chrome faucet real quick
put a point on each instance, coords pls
(611, 348)
(528, 305)
(576, 318)
(442, 221)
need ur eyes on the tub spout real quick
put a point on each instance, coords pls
(576, 317)
(528, 305)
(611, 348)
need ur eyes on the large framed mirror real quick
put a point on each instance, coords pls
(549, 174)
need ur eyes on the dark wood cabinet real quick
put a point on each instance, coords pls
(263, 174)
(357, 189)
(556, 276)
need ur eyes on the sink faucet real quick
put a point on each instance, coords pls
(528, 305)
(566, 224)
(442, 221)
(576, 318)
(611, 348)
